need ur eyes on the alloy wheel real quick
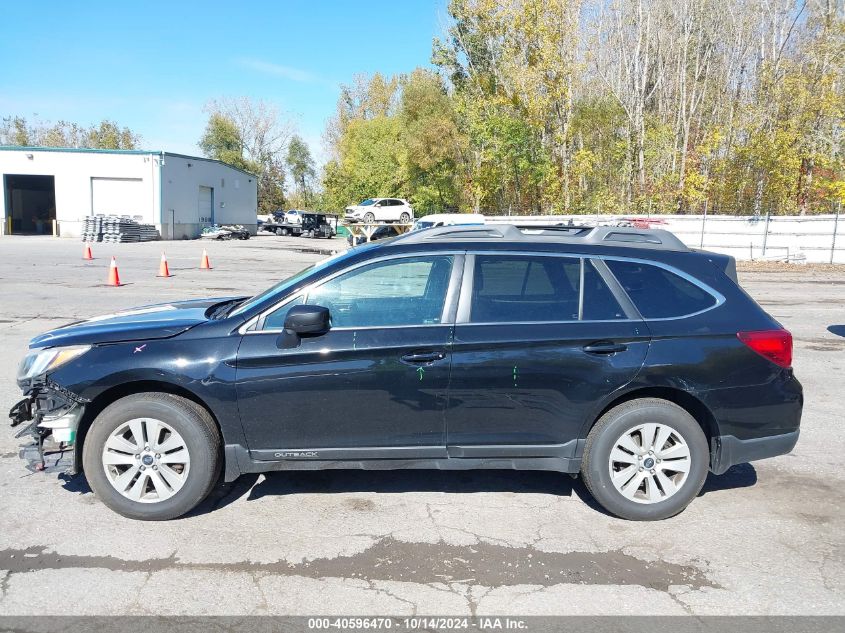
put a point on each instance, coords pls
(146, 460)
(649, 463)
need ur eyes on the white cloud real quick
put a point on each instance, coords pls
(285, 72)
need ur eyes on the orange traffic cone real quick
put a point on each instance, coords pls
(114, 278)
(86, 254)
(163, 270)
(204, 263)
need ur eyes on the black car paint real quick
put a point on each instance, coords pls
(507, 395)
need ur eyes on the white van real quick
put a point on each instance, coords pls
(447, 219)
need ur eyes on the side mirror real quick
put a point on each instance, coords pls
(304, 320)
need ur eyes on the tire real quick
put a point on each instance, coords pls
(369, 218)
(405, 217)
(639, 495)
(281, 231)
(182, 425)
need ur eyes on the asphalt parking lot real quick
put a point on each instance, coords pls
(766, 538)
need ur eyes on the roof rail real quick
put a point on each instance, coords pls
(622, 236)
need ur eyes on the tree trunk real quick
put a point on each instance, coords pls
(758, 194)
(805, 181)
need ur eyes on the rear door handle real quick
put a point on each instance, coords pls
(422, 358)
(604, 347)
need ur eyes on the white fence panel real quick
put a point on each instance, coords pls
(817, 238)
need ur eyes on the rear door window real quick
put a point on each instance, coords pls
(510, 288)
(658, 293)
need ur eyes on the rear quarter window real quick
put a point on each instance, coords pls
(658, 293)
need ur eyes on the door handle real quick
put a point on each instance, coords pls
(422, 358)
(604, 347)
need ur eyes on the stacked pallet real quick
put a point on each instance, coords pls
(117, 229)
(92, 229)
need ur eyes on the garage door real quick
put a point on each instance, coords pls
(118, 196)
(206, 205)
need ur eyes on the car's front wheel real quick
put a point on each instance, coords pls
(645, 459)
(369, 218)
(152, 456)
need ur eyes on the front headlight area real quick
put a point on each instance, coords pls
(56, 410)
(41, 361)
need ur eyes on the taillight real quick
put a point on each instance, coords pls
(776, 345)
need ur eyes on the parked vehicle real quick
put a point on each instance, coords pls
(316, 225)
(307, 224)
(280, 227)
(616, 353)
(293, 216)
(284, 223)
(225, 232)
(380, 233)
(447, 219)
(380, 210)
(642, 223)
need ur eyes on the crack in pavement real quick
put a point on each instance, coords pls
(487, 564)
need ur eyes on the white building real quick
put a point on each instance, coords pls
(51, 190)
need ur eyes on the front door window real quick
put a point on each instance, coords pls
(407, 291)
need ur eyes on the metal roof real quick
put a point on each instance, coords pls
(136, 152)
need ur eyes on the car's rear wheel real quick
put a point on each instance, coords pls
(405, 217)
(152, 456)
(645, 459)
(369, 218)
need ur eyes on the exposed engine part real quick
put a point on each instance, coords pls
(53, 413)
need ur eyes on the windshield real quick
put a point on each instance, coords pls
(367, 202)
(290, 281)
(419, 224)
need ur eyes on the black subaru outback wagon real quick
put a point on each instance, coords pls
(616, 353)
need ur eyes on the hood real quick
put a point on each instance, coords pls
(138, 324)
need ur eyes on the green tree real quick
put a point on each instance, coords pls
(430, 142)
(253, 136)
(222, 141)
(15, 131)
(109, 135)
(301, 167)
(394, 136)
(364, 142)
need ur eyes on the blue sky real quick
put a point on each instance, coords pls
(153, 65)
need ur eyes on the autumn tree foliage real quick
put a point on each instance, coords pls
(570, 106)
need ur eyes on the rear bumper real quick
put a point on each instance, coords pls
(727, 450)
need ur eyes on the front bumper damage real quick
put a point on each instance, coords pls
(51, 415)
